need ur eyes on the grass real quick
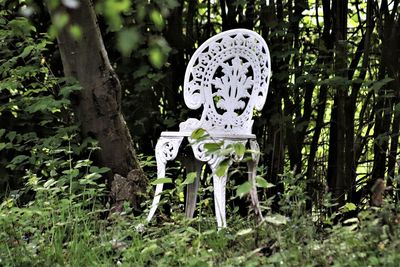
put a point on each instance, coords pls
(66, 234)
(63, 227)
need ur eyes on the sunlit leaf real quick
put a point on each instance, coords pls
(197, 134)
(212, 147)
(162, 181)
(261, 182)
(222, 168)
(75, 31)
(243, 189)
(157, 19)
(156, 57)
(276, 219)
(191, 177)
(244, 232)
(128, 40)
(240, 149)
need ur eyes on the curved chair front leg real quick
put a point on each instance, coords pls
(252, 168)
(166, 150)
(219, 184)
(192, 165)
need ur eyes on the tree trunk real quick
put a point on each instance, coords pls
(337, 153)
(98, 107)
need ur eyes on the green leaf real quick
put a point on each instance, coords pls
(276, 219)
(261, 182)
(162, 181)
(92, 176)
(2, 131)
(11, 135)
(128, 40)
(72, 172)
(349, 207)
(212, 147)
(222, 168)
(67, 90)
(244, 232)
(198, 133)
(19, 159)
(27, 51)
(239, 148)
(156, 57)
(157, 19)
(75, 32)
(95, 169)
(243, 189)
(2, 146)
(379, 84)
(49, 183)
(191, 177)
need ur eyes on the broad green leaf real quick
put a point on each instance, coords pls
(198, 133)
(191, 177)
(261, 182)
(222, 168)
(243, 189)
(95, 169)
(212, 147)
(240, 149)
(2, 146)
(276, 219)
(11, 135)
(156, 57)
(157, 19)
(379, 84)
(244, 232)
(92, 176)
(75, 32)
(49, 183)
(349, 206)
(162, 181)
(128, 40)
(2, 131)
(67, 90)
(60, 19)
(27, 51)
(149, 249)
(72, 172)
(19, 159)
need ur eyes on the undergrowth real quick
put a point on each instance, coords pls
(68, 227)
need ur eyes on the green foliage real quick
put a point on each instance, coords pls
(65, 228)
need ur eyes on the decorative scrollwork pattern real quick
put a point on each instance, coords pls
(167, 148)
(229, 75)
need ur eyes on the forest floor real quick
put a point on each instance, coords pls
(62, 231)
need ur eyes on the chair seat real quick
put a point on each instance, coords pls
(212, 135)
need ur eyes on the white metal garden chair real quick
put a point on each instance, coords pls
(229, 76)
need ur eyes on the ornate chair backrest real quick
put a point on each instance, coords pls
(229, 76)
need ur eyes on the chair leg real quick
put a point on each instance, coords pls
(191, 191)
(252, 170)
(219, 184)
(219, 199)
(157, 195)
(166, 150)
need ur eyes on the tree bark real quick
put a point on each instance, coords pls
(98, 106)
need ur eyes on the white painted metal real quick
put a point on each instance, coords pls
(229, 76)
